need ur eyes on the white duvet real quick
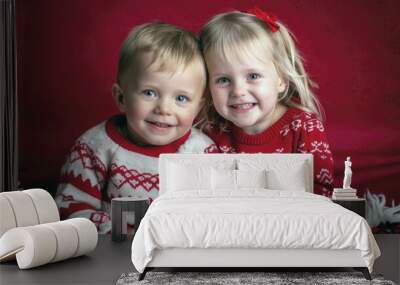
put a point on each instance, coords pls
(251, 218)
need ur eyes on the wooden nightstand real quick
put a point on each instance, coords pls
(356, 205)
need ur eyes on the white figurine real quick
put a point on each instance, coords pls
(347, 174)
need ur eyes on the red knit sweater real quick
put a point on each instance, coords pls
(295, 132)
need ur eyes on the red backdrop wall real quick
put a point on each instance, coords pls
(68, 51)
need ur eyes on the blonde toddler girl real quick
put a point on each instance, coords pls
(261, 94)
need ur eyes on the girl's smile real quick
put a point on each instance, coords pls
(242, 107)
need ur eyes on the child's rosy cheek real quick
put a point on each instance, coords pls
(188, 120)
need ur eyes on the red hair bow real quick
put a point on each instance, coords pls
(270, 20)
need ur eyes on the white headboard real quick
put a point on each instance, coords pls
(231, 161)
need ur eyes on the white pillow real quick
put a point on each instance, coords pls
(183, 177)
(223, 164)
(251, 178)
(280, 174)
(228, 179)
(223, 179)
(293, 178)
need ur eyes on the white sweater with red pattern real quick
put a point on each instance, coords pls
(295, 132)
(103, 164)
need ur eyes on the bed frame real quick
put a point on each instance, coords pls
(242, 259)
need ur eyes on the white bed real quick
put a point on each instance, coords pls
(247, 210)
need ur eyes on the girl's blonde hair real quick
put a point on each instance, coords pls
(170, 48)
(241, 33)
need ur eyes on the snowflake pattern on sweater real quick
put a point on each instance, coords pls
(102, 165)
(295, 132)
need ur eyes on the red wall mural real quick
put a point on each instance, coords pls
(67, 58)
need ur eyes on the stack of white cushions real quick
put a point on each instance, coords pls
(31, 231)
(236, 175)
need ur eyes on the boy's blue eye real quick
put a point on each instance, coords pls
(253, 76)
(182, 98)
(149, 93)
(222, 80)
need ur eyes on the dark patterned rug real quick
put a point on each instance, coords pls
(243, 278)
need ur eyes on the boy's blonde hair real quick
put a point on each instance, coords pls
(170, 47)
(240, 33)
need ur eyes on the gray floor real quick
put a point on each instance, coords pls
(111, 259)
(389, 262)
(102, 266)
